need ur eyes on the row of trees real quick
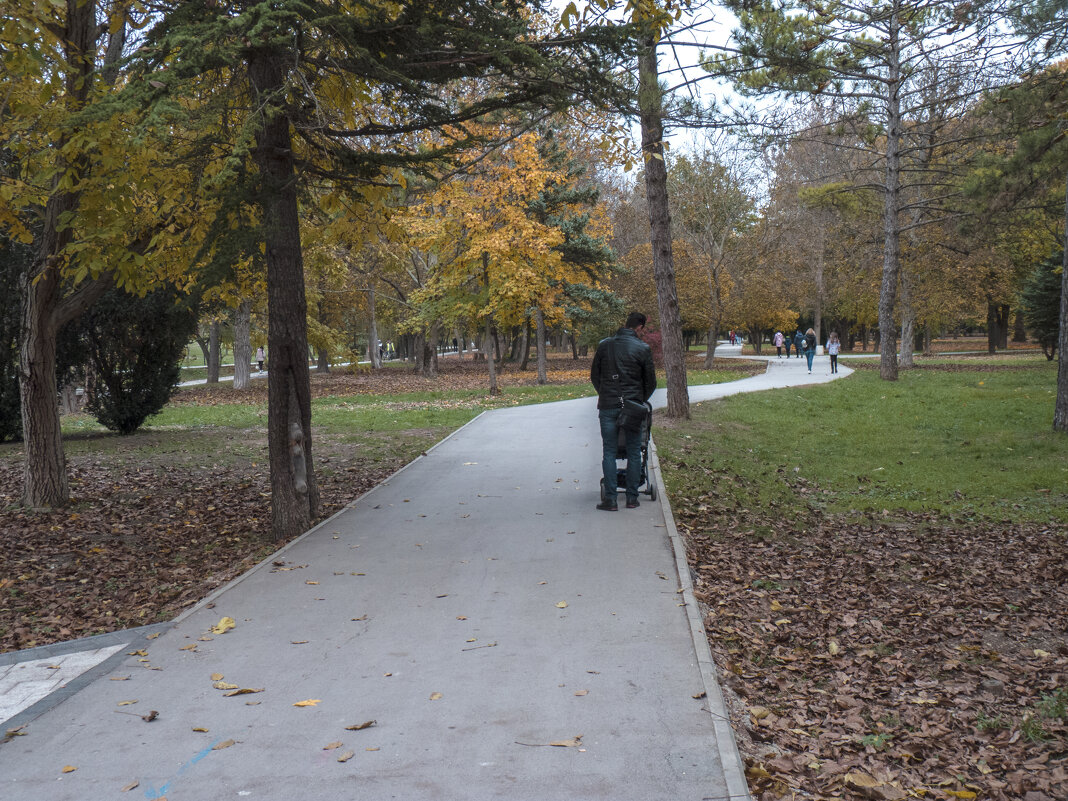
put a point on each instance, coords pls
(423, 170)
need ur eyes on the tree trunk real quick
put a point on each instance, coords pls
(650, 105)
(294, 492)
(487, 348)
(1060, 409)
(214, 357)
(1003, 326)
(991, 326)
(1019, 332)
(242, 345)
(528, 335)
(710, 345)
(539, 316)
(891, 226)
(372, 333)
(44, 310)
(429, 356)
(322, 365)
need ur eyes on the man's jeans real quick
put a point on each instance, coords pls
(609, 444)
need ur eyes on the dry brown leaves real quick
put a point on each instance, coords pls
(877, 659)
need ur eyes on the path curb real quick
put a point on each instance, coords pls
(730, 757)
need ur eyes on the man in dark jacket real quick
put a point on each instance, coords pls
(622, 368)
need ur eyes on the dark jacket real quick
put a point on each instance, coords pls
(632, 376)
(810, 341)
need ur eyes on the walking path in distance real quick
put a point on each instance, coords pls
(476, 606)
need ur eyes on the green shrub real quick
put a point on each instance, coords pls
(134, 347)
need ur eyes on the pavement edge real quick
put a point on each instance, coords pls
(730, 757)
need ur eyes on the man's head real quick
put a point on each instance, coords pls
(635, 320)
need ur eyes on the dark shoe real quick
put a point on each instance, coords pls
(607, 506)
(632, 503)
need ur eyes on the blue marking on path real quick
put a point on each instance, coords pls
(152, 793)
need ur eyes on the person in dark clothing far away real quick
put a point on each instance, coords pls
(622, 368)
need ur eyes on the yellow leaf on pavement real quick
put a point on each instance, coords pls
(224, 685)
(309, 702)
(562, 605)
(346, 756)
(217, 677)
(244, 691)
(332, 746)
(361, 726)
(69, 769)
(223, 626)
(223, 744)
(436, 696)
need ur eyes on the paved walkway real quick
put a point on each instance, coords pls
(507, 640)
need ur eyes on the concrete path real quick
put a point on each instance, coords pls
(475, 606)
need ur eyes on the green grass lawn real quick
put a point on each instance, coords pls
(968, 444)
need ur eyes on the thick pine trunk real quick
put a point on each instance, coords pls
(891, 226)
(294, 492)
(242, 345)
(650, 105)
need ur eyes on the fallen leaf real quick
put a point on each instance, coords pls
(151, 716)
(131, 786)
(141, 652)
(222, 745)
(69, 769)
(311, 582)
(126, 703)
(120, 678)
(346, 756)
(309, 702)
(966, 794)
(191, 647)
(332, 746)
(372, 749)
(581, 693)
(224, 685)
(223, 626)
(562, 605)
(436, 696)
(244, 691)
(574, 742)
(361, 726)
(298, 642)
(217, 677)
(200, 729)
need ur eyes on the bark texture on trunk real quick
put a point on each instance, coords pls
(242, 344)
(650, 105)
(294, 492)
(372, 334)
(891, 226)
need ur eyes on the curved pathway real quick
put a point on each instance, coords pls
(507, 640)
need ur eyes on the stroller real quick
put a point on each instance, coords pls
(621, 453)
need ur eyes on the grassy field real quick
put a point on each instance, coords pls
(968, 444)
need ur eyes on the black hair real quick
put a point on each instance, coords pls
(635, 319)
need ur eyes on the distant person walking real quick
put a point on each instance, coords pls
(622, 368)
(787, 342)
(833, 348)
(261, 357)
(799, 342)
(778, 344)
(810, 348)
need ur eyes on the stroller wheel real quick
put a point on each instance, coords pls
(652, 491)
